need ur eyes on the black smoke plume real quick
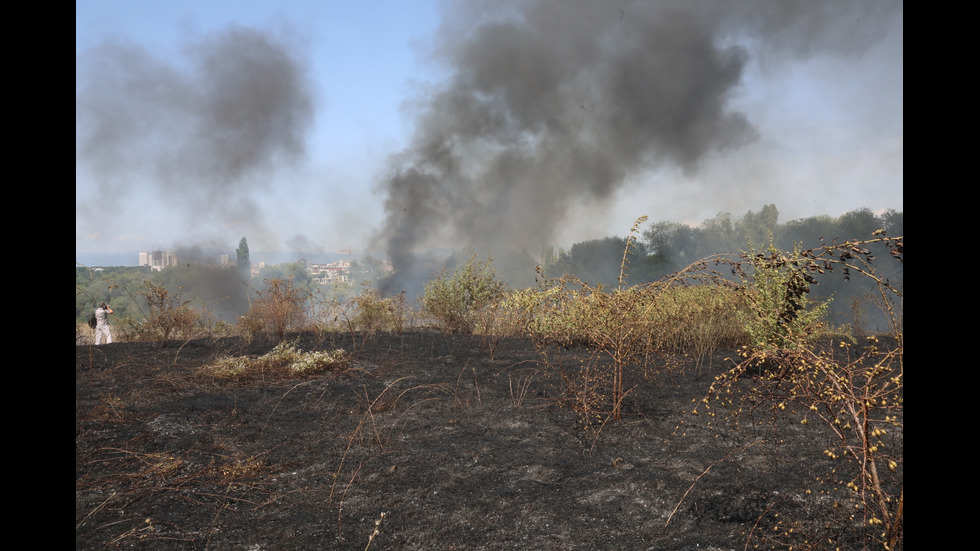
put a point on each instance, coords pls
(555, 103)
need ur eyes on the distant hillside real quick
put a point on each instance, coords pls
(131, 258)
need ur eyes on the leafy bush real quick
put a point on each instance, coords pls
(456, 300)
(373, 313)
(779, 312)
(697, 320)
(552, 315)
(855, 394)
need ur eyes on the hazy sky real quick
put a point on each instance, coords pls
(392, 125)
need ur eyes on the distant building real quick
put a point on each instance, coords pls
(327, 274)
(158, 260)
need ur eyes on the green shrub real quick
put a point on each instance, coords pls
(541, 314)
(779, 313)
(373, 313)
(697, 320)
(855, 393)
(617, 327)
(457, 300)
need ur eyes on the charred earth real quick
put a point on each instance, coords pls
(428, 441)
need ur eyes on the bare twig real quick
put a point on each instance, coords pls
(700, 476)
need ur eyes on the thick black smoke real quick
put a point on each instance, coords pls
(199, 135)
(553, 103)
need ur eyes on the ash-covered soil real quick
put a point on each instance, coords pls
(428, 441)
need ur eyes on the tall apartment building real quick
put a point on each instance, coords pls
(158, 260)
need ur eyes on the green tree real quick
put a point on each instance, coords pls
(289, 270)
(760, 227)
(244, 263)
(718, 235)
(671, 246)
(598, 261)
(807, 231)
(116, 286)
(893, 222)
(858, 224)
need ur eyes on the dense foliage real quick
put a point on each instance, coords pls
(667, 247)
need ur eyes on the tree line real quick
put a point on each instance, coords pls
(662, 248)
(665, 247)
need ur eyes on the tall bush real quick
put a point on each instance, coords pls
(855, 393)
(456, 300)
(167, 314)
(276, 309)
(779, 311)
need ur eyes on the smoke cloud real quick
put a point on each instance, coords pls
(201, 135)
(550, 104)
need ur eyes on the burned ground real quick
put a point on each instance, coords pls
(429, 441)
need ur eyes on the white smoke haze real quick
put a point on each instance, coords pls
(203, 137)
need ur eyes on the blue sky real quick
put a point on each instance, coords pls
(828, 127)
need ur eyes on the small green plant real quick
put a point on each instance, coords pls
(779, 313)
(457, 300)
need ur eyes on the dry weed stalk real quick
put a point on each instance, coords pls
(703, 473)
(276, 309)
(382, 440)
(523, 386)
(377, 530)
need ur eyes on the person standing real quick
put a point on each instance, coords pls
(102, 324)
